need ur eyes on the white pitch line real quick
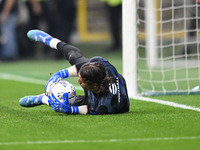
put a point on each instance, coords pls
(173, 104)
(100, 141)
(14, 77)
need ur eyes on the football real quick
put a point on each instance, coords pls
(61, 88)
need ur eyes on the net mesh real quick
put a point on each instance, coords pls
(176, 69)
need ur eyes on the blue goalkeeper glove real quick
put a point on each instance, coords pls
(64, 106)
(56, 78)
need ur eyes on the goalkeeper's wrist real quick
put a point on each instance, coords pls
(83, 110)
(74, 109)
(64, 73)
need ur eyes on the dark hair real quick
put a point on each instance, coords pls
(95, 72)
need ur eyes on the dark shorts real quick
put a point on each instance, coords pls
(72, 54)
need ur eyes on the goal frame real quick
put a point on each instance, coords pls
(129, 53)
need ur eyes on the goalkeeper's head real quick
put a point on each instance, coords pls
(93, 76)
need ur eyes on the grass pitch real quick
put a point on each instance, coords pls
(146, 126)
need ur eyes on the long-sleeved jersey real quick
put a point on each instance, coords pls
(115, 100)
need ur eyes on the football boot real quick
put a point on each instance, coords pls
(39, 36)
(31, 101)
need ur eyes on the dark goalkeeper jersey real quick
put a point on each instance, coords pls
(112, 102)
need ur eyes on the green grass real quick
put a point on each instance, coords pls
(145, 120)
(145, 126)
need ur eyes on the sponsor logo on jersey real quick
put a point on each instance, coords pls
(114, 88)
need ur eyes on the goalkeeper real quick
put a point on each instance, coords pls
(105, 89)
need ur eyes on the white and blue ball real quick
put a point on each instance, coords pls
(62, 87)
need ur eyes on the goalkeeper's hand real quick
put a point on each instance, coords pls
(63, 107)
(55, 79)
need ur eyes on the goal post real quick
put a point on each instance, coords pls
(129, 54)
(161, 47)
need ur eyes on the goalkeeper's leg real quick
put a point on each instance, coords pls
(71, 53)
(32, 101)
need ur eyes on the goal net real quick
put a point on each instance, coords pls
(167, 47)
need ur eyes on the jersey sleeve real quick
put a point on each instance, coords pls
(78, 66)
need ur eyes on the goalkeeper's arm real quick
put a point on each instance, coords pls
(68, 72)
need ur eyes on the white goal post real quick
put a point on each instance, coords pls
(129, 45)
(161, 47)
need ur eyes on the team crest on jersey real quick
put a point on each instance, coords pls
(113, 88)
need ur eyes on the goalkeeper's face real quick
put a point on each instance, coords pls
(84, 84)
